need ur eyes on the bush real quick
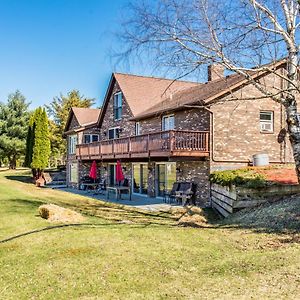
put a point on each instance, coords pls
(242, 177)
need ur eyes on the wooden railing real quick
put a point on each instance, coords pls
(164, 143)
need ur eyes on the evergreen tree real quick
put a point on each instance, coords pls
(41, 142)
(59, 110)
(30, 141)
(13, 124)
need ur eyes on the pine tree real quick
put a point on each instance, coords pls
(59, 110)
(30, 141)
(13, 120)
(41, 143)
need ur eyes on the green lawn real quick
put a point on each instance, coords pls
(122, 253)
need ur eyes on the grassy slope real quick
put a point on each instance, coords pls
(149, 258)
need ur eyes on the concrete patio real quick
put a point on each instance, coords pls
(139, 201)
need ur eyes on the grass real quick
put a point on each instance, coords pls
(125, 253)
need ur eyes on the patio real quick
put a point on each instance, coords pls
(142, 202)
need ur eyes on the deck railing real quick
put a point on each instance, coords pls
(164, 143)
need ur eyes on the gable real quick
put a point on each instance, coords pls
(141, 92)
(72, 122)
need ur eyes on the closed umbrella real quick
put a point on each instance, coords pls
(93, 171)
(119, 172)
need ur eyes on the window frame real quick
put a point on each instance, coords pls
(117, 106)
(137, 128)
(115, 129)
(90, 138)
(271, 122)
(72, 143)
(163, 122)
(73, 167)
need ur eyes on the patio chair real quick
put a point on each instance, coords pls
(83, 181)
(102, 186)
(170, 195)
(185, 193)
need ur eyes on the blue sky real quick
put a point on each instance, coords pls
(53, 46)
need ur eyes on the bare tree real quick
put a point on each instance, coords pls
(184, 35)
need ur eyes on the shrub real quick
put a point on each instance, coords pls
(242, 177)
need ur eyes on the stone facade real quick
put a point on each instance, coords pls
(235, 137)
(191, 119)
(197, 172)
(126, 126)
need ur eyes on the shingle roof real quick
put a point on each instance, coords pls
(86, 116)
(201, 94)
(197, 94)
(143, 92)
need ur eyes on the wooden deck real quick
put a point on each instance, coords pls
(173, 143)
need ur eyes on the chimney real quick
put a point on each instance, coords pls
(215, 71)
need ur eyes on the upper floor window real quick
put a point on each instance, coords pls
(114, 133)
(90, 138)
(72, 144)
(266, 120)
(168, 122)
(118, 106)
(137, 128)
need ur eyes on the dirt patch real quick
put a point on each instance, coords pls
(56, 214)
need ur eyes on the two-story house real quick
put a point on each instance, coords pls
(81, 128)
(164, 131)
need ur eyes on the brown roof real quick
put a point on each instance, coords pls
(86, 117)
(197, 94)
(143, 92)
(200, 94)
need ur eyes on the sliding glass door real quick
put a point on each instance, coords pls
(140, 178)
(166, 176)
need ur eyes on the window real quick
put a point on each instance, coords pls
(266, 121)
(73, 169)
(118, 106)
(168, 122)
(114, 133)
(72, 144)
(137, 128)
(90, 138)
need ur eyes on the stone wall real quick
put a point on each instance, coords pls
(197, 172)
(127, 127)
(191, 119)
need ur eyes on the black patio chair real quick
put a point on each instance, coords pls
(170, 195)
(185, 193)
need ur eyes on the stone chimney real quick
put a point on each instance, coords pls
(215, 71)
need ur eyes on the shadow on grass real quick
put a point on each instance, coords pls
(22, 206)
(20, 178)
(87, 225)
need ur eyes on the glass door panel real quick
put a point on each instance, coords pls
(136, 178)
(112, 175)
(161, 179)
(171, 175)
(144, 178)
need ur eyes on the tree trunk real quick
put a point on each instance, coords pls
(292, 117)
(13, 162)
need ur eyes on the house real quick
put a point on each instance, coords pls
(81, 128)
(164, 131)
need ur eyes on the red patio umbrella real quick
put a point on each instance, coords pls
(93, 170)
(119, 172)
